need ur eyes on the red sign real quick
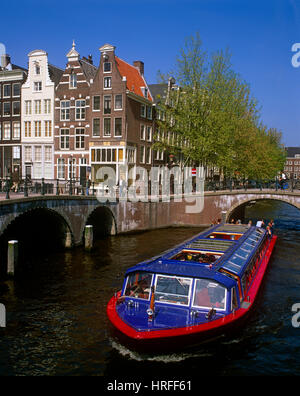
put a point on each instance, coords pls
(194, 172)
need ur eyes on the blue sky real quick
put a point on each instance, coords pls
(259, 34)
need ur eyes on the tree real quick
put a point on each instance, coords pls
(213, 119)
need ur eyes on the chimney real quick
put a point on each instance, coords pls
(5, 60)
(89, 59)
(140, 66)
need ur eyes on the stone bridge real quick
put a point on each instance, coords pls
(73, 213)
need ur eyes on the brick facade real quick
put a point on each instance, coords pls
(11, 79)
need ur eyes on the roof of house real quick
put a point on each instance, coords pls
(88, 69)
(134, 80)
(292, 151)
(158, 91)
(55, 73)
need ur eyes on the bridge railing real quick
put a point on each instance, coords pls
(27, 187)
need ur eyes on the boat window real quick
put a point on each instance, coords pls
(172, 289)
(138, 285)
(234, 302)
(209, 294)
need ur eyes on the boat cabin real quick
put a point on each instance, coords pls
(200, 278)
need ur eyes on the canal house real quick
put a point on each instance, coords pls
(121, 118)
(11, 79)
(38, 117)
(72, 123)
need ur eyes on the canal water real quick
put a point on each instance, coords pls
(57, 325)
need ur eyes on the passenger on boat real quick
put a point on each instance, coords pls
(260, 223)
(250, 224)
(269, 232)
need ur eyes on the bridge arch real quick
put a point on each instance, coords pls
(38, 230)
(103, 221)
(240, 206)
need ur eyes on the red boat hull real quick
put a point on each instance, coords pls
(186, 336)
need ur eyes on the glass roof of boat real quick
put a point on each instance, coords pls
(237, 262)
(235, 255)
(210, 244)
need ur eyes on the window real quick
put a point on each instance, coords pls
(131, 156)
(37, 69)
(6, 90)
(16, 108)
(107, 67)
(118, 102)
(38, 154)
(80, 110)
(6, 109)
(16, 130)
(48, 128)
(149, 133)
(209, 294)
(47, 106)
(107, 104)
(65, 110)
(16, 89)
(28, 156)
(79, 135)
(27, 128)
(96, 127)
(64, 139)
(142, 132)
(16, 152)
(72, 168)
(143, 110)
(172, 289)
(142, 154)
(107, 82)
(37, 107)
(146, 92)
(73, 80)
(118, 126)
(96, 102)
(106, 127)
(149, 112)
(61, 168)
(48, 154)
(148, 155)
(27, 107)
(6, 131)
(37, 128)
(37, 86)
(138, 285)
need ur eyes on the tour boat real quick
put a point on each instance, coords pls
(194, 292)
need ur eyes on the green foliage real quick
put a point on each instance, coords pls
(213, 119)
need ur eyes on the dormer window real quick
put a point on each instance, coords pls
(73, 80)
(145, 92)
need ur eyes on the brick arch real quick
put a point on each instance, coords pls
(231, 210)
(14, 216)
(109, 212)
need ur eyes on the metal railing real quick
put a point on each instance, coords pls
(27, 187)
